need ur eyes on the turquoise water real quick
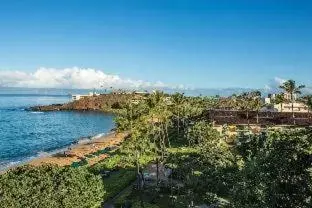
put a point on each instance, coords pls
(25, 134)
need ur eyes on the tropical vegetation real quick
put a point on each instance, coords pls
(271, 168)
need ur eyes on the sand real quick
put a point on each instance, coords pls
(77, 152)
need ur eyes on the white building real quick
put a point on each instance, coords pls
(78, 96)
(267, 100)
(288, 106)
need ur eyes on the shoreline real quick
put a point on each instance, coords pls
(76, 152)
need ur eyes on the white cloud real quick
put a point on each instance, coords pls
(74, 78)
(273, 85)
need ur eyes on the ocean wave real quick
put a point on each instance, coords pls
(4, 165)
(9, 164)
(98, 136)
(85, 140)
(43, 154)
(82, 140)
(36, 112)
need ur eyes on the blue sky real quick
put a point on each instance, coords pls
(201, 44)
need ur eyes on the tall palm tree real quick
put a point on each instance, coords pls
(159, 118)
(291, 88)
(178, 99)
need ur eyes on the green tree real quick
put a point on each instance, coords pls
(276, 171)
(50, 186)
(291, 88)
(308, 101)
(279, 100)
(257, 103)
(249, 101)
(178, 100)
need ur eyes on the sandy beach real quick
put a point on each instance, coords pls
(78, 151)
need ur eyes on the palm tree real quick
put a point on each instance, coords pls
(257, 105)
(280, 99)
(245, 103)
(178, 100)
(291, 88)
(159, 118)
(309, 102)
(138, 146)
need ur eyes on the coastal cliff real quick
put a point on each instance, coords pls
(105, 102)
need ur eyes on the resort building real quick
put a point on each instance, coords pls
(287, 106)
(78, 96)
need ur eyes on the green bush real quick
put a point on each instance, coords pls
(50, 187)
(110, 163)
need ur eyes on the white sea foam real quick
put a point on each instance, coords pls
(85, 140)
(43, 154)
(9, 164)
(36, 112)
(98, 136)
(52, 152)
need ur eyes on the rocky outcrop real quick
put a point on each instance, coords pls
(105, 103)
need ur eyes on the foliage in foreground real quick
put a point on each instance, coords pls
(277, 173)
(50, 187)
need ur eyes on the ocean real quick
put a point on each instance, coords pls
(25, 135)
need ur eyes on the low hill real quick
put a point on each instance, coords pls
(104, 102)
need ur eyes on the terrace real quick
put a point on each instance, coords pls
(235, 117)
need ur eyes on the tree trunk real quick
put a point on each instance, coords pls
(178, 123)
(141, 188)
(292, 109)
(138, 173)
(157, 171)
(248, 118)
(167, 135)
(157, 161)
(163, 149)
(212, 118)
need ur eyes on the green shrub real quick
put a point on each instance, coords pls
(50, 187)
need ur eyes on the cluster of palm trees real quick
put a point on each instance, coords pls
(251, 101)
(291, 89)
(246, 101)
(153, 120)
(158, 120)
